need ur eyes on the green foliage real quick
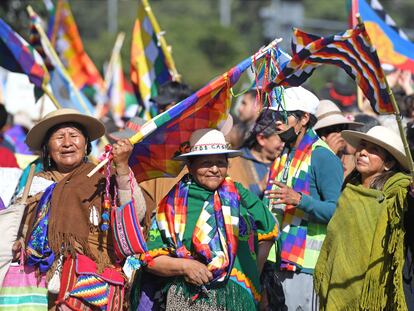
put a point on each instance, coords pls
(201, 47)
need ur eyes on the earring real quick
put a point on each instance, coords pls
(85, 158)
(49, 162)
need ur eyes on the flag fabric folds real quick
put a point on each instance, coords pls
(351, 51)
(63, 89)
(67, 42)
(167, 135)
(115, 85)
(151, 66)
(392, 43)
(18, 56)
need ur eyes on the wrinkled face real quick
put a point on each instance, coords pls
(209, 171)
(370, 159)
(247, 110)
(67, 147)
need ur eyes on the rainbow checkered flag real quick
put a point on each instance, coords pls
(19, 56)
(63, 89)
(66, 40)
(167, 135)
(351, 51)
(151, 63)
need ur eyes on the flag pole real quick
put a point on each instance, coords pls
(160, 36)
(150, 126)
(50, 95)
(353, 22)
(396, 111)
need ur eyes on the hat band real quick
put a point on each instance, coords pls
(207, 147)
(330, 113)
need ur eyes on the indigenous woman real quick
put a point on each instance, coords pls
(210, 239)
(65, 224)
(365, 261)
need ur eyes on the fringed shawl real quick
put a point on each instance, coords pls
(361, 260)
(70, 229)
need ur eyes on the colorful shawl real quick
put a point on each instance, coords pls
(215, 237)
(38, 250)
(295, 174)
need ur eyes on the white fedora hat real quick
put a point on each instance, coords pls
(93, 126)
(207, 142)
(298, 98)
(329, 114)
(383, 137)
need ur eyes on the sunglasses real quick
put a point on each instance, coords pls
(283, 116)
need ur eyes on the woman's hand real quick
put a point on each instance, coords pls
(335, 142)
(283, 195)
(195, 272)
(17, 250)
(121, 151)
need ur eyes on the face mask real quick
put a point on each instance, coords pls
(289, 136)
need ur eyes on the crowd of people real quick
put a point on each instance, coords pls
(303, 206)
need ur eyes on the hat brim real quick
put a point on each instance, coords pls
(354, 138)
(36, 135)
(336, 120)
(230, 154)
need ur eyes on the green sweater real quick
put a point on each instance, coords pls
(256, 223)
(361, 260)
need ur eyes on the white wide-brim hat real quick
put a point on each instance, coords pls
(208, 142)
(36, 135)
(298, 98)
(329, 114)
(383, 137)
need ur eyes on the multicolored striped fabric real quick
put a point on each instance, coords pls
(392, 44)
(167, 135)
(92, 289)
(23, 289)
(151, 63)
(351, 50)
(67, 42)
(18, 56)
(215, 236)
(294, 223)
(127, 232)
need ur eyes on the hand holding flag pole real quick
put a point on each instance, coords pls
(397, 112)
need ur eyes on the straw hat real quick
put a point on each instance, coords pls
(380, 136)
(298, 98)
(93, 126)
(329, 114)
(206, 142)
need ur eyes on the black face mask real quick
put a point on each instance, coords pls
(289, 136)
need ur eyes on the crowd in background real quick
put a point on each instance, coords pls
(313, 177)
